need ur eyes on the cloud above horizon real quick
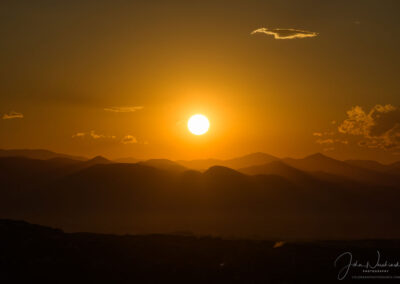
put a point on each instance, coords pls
(285, 33)
(124, 109)
(129, 139)
(12, 115)
(377, 128)
(92, 134)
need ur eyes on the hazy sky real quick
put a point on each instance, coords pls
(121, 78)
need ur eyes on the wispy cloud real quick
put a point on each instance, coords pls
(12, 115)
(92, 134)
(331, 140)
(124, 109)
(79, 134)
(285, 33)
(325, 141)
(129, 139)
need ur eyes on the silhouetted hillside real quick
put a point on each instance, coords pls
(322, 163)
(249, 160)
(235, 163)
(37, 154)
(222, 172)
(164, 164)
(201, 164)
(395, 168)
(20, 175)
(278, 168)
(128, 160)
(369, 165)
(32, 253)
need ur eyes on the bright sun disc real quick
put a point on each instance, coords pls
(198, 124)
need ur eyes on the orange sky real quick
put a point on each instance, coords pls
(121, 78)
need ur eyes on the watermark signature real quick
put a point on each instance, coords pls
(378, 268)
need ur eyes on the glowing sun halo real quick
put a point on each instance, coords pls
(198, 124)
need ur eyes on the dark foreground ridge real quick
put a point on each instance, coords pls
(31, 252)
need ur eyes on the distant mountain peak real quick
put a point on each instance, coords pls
(164, 164)
(318, 156)
(40, 154)
(252, 159)
(99, 160)
(166, 161)
(256, 155)
(257, 158)
(221, 171)
(278, 168)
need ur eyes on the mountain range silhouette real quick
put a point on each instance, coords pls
(260, 196)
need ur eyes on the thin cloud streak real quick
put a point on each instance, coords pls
(285, 33)
(12, 115)
(92, 134)
(124, 109)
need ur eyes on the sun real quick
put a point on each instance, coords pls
(198, 124)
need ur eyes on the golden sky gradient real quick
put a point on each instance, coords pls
(121, 78)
